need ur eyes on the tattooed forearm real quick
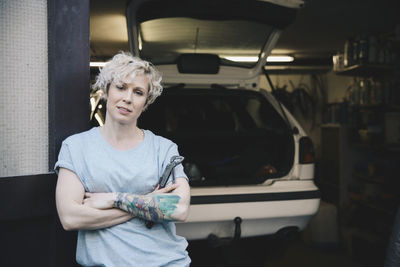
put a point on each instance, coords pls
(156, 208)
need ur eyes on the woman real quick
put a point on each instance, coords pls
(108, 176)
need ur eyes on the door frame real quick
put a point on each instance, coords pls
(29, 225)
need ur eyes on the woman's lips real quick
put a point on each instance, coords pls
(123, 110)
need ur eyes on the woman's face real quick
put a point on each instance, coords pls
(125, 101)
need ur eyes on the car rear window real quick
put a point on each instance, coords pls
(226, 136)
(204, 111)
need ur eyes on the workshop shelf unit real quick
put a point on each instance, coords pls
(373, 138)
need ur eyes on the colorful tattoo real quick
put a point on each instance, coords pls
(154, 208)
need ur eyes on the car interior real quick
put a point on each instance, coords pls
(227, 134)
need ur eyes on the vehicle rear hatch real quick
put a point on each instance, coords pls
(240, 32)
(228, 137)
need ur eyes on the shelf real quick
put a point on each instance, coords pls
(371, 206)
(365, 70)
(367, 235)
(371, 179)
(374, 107)
(380, 147)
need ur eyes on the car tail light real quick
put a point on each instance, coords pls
(307, 154)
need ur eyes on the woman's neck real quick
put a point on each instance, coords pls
(122, 136)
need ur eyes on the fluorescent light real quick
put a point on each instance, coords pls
(255, 59)
(242, 59)
(97, 64)
(231, 58)
(140, 42)
(280, 59)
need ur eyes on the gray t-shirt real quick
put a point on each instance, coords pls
(102, 168)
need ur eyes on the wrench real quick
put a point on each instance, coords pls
(174, 161)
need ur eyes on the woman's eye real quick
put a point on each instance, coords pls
(139, 92)
(120, 87)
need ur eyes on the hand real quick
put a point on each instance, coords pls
(168, 189)
(101, 201)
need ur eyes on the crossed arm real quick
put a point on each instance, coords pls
(80, 210)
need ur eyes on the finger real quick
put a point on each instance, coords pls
(156, 189)
(174, 185)
(87, 194)
(170, 188)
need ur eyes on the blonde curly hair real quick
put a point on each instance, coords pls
(125, 66)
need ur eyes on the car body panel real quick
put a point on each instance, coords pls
(274, 216)
(285, 204)
(264, 209)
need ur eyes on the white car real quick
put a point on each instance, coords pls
(250, 164)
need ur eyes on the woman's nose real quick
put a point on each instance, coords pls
(128, 96)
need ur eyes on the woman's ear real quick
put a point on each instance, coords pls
(103, 95)
(105, 92)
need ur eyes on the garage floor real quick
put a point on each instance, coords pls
(262, 252)
(301, 254)
(318, 245)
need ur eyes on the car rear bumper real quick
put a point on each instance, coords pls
(262, 213)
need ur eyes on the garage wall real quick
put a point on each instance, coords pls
(337, 86)
(44, 59)
(24, 87)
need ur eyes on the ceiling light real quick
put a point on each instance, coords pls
(231, 58)
(280, 59)
(97, 64)
(140, 43)
(242, 59)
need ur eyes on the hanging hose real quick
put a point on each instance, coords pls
(295, 130)
(308, 100)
